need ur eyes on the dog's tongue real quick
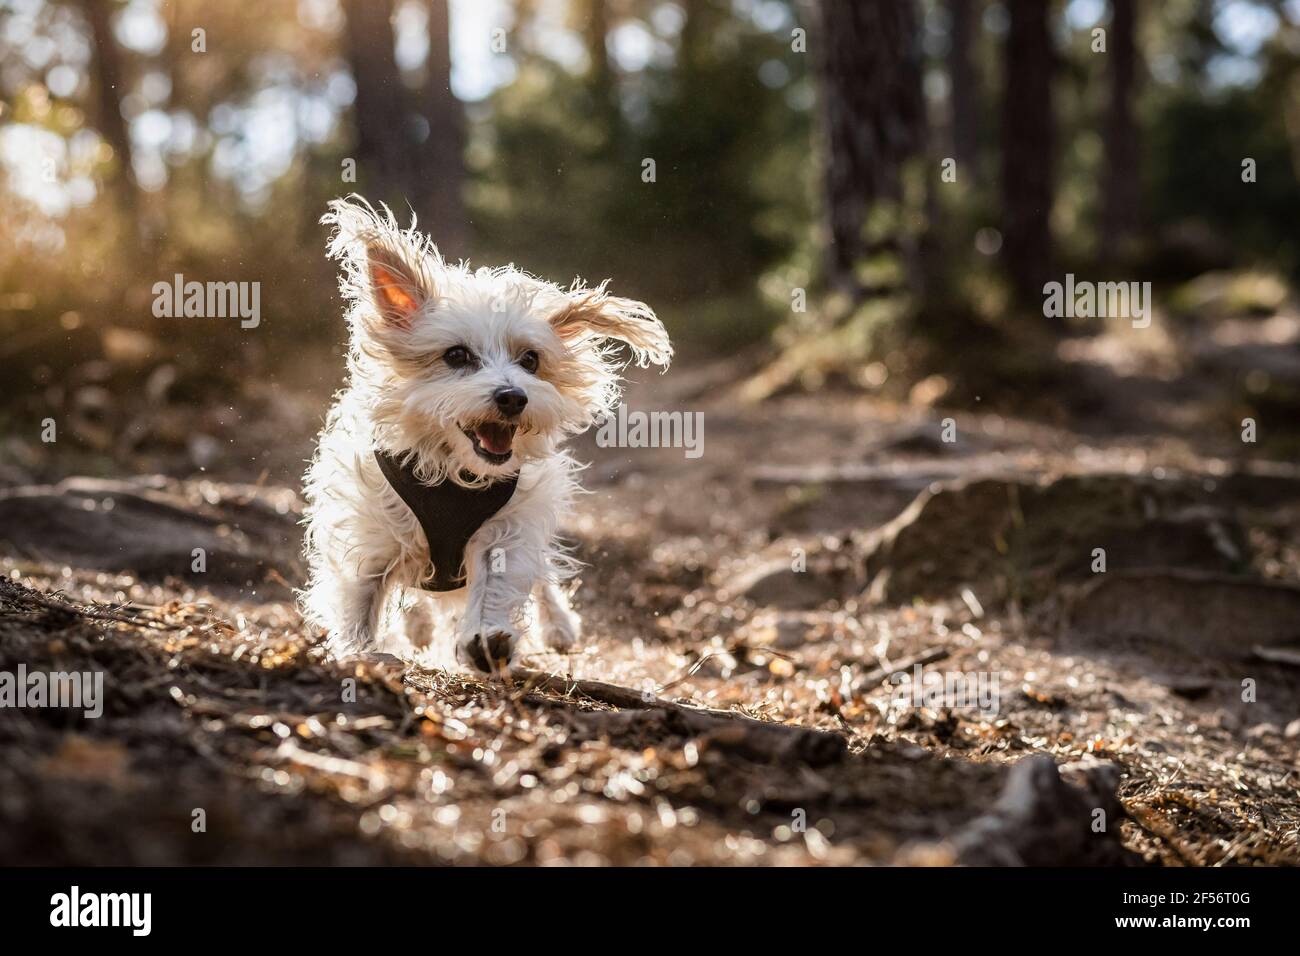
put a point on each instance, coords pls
(495, 437)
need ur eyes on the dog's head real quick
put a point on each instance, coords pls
(477, 371)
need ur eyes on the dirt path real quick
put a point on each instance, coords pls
(786, 575)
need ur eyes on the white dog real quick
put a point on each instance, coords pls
(440, 468)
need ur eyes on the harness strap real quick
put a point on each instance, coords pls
(449, 514)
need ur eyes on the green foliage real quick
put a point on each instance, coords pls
(560, 184)
(1195, 171)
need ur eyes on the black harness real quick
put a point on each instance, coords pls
(449, 514)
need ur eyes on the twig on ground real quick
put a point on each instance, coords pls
(879, 675)
(690, 672)
(94, 613)
(1277, 655)
(761, 738)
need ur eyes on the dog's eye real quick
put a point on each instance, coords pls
(458, 356)
(529, 361)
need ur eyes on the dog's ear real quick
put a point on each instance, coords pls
(395, 288)
(592, 314)
(387, 267)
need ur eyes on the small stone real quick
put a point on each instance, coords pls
(778, 585)
(1263, 730)
(791, 633)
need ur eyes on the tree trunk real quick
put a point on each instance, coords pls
(964, 81)
(1121, 214)
(383, 141)
(1027, 146)
(698, 33)
(873, 115)
(443, 153)
(600, 71)
(106, 68)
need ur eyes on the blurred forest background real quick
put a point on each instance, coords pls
(860, 195)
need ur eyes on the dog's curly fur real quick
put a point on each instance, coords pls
(407, 308)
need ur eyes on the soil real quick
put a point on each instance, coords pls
(737, 698)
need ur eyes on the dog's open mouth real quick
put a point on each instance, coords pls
(492, 441)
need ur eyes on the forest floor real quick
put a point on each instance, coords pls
(754, 618)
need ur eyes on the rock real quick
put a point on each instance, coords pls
(1196, 612)
(791, 633)
(777, 584)
(151, 527)
(1049, 816)
(1022, 536)
(782, 630)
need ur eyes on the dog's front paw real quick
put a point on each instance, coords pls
(561, 629)
(489, 652)
(349, 642)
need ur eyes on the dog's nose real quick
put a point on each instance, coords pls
(510, 400)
